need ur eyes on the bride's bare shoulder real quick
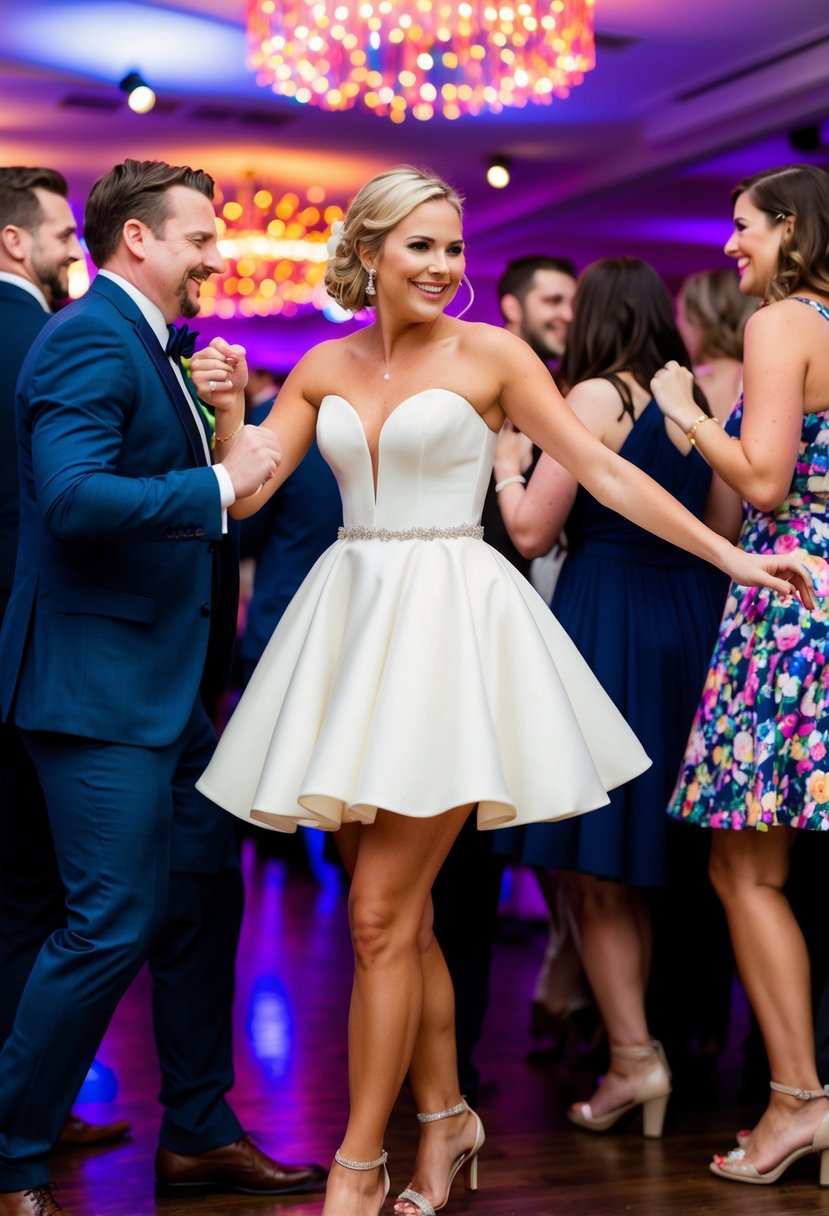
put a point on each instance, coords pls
(481, 338)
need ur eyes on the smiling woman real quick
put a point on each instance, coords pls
(755, 767)
(416, 675)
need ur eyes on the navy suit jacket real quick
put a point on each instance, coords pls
(21, 320)
(106, 631)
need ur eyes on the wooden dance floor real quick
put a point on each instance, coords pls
(293, 988)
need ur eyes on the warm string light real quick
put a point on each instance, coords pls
(274, 245)
(421, 57)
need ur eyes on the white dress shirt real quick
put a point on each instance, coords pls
(155, 319)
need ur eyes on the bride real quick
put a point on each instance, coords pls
(416, 676)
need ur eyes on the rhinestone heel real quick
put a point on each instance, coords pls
(466, 1161)
(652, 1095)
(734, 1166)
(348, 1164)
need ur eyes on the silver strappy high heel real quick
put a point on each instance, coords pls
(467, 1161)
(348, 1164)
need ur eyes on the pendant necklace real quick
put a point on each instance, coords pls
(387, 373)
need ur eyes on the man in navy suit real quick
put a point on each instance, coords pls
(38, 244)
(101, 658)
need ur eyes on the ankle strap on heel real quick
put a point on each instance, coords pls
(442, 1114)
(805, 1095)
(346, 1163)
(642, 1051)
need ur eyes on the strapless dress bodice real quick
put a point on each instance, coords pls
(434, 462)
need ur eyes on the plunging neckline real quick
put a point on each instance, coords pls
(374, 460)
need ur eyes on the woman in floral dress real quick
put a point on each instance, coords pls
(756, 766)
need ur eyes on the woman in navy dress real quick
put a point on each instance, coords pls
(644, 615)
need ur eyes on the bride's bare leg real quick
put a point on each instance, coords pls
(392, 870)
(434, 1077)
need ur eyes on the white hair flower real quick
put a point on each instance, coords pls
(333, 242)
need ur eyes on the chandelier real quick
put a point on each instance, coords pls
(421, 57)
(274, 246)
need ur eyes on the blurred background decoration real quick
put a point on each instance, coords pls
(274, 243)
(421, 57)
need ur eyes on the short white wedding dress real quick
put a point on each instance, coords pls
(416, 670)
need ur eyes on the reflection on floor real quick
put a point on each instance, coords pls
(293, 991)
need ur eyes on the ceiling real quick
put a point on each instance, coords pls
(684, 100)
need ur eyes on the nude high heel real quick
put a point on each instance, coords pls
(652, 1094)
(734, 1166)
(347, 1164)
(467, 1161)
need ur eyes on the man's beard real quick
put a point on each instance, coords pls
(542, 348)
(53, 280)
(187, 306)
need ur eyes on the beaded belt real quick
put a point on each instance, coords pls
(474, 531)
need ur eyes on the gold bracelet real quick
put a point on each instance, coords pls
(690, 435)
(224, 438)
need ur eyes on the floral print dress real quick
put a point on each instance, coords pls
(758, 753)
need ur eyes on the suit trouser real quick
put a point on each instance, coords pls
(31, 892)
(150, 872)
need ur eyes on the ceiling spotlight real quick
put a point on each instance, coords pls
(497, 173)
(140, 96)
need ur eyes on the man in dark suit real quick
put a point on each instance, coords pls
(38, 244)
(101, 659)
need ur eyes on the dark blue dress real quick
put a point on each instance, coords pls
(644, 615)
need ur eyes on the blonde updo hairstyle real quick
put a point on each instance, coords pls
(712, 301)
(375, 210)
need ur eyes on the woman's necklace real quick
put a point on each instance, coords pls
(432, 324)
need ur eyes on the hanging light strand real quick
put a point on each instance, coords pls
(421, 57)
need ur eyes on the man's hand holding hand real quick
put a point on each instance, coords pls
(253, 459)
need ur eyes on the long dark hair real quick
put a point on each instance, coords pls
(623, 321)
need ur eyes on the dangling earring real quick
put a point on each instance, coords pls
(370, 288)
(467, 306)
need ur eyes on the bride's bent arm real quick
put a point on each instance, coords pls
(535, 406)
(293, 419)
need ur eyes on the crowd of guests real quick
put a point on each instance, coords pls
(110, 856)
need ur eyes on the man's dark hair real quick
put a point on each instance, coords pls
(19, 205)
(519, 273)
(135, 190)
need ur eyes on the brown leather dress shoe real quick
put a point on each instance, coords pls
(39, 1201)
(239, 1167)
(77, 1133)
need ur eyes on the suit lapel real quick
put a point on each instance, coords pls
(173, 387)
(132, 313)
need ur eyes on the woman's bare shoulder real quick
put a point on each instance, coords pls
(321, 366)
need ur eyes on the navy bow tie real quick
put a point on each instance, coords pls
(181, 342)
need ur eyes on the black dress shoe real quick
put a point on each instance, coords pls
(240, 1167)
(77, 1133)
